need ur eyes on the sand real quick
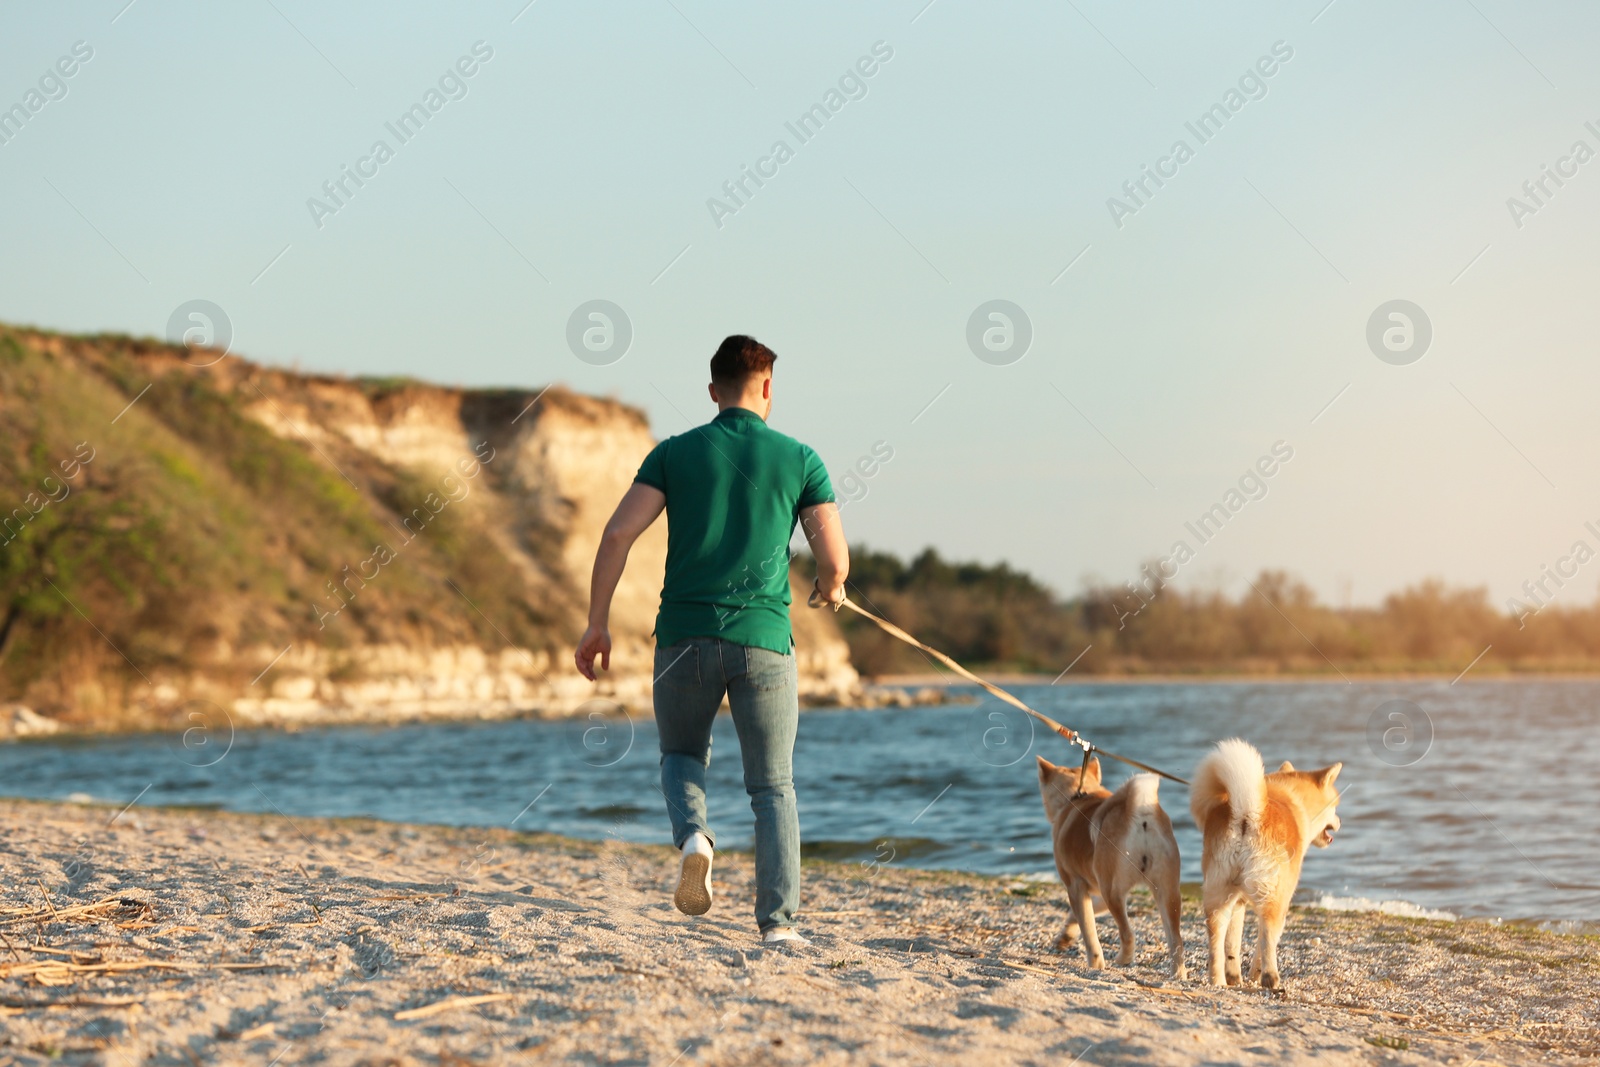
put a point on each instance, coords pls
(203, 937)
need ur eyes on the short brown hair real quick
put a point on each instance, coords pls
(740, 358)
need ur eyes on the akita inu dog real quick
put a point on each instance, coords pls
(1256, 828)
(1107, 843)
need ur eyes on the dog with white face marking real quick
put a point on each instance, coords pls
(1108, 843)
(1256, 829)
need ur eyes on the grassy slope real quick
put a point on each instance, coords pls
(194, 532)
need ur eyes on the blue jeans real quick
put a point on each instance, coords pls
(763, 690)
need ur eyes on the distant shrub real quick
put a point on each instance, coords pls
(996, 616)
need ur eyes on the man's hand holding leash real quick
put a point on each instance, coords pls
(833, 598)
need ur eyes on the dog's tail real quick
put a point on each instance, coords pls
(1149, 842)
(1142, 792)
(1230, 774)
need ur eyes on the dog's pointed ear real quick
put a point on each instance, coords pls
(1046, 768)
(1287, 766)
(1326, 776)
(1094, 768)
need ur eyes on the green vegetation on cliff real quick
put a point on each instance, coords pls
(150, 529)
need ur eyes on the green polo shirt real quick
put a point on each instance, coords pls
(734, 491)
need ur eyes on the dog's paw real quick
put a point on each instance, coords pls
(1097, 963)
(1180, 973)
(1270, 980)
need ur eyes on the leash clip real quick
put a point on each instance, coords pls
(1083, 772)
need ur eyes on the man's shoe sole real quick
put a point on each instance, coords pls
(795, 939)
(694, 885)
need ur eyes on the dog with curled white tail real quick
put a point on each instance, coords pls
(1256, 829)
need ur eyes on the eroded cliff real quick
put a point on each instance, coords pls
(264, 546)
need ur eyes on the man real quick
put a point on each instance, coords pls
(733, 491)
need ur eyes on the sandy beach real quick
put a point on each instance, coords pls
(182, 937)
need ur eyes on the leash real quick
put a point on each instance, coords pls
(1071, 736)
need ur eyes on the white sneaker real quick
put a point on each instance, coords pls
(784, 933)
(694, 876)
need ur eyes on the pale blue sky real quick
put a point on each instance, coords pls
(1222, 317)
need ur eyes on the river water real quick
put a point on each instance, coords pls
(1479, 799)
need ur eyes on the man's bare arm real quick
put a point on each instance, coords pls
(641, 505)
(825, 535)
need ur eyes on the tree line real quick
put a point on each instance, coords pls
(1001, 618)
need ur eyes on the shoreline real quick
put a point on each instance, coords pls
(1306, 897)
(1000, 678)
(20, 723)
(187, 935)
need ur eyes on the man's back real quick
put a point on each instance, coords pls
(734, 489)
